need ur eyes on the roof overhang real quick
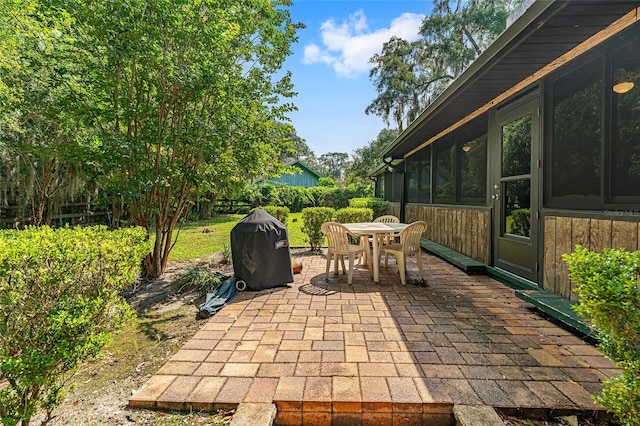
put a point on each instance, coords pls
(544, 32)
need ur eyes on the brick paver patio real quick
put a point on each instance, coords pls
(380, 353)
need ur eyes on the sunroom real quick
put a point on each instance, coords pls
(534, 148)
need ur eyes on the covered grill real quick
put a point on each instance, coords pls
(260, 251)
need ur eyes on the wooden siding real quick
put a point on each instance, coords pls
(561, 234)
(304, 179)
(466, 231)
(394, 209)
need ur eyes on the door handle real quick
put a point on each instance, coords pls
(497, 195)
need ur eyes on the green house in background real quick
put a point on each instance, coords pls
(306, 178)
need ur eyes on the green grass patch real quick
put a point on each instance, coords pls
(137, 351)
(202, 237)
(297, 238)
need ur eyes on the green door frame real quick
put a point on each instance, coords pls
(517, 254)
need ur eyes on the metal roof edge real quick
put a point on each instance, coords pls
(534, 12)
(378, 170)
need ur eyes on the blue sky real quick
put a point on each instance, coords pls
(331, 70)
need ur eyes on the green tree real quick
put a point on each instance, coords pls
(38, 137)
(300, 151)
(408, 76)
(333, 164)
(395, 75)
(183, 99)
(366, 158)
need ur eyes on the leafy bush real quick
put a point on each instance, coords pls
(226, 253)
(264, 194)
(609, 297)
(203, 280)
(295, 197)
(267, 194)
(313, 218)
(359, 203)
(298, 197)
(378, 205)
(316, 193)
(352, 214)
(280, 213)
(327, 181)
(338, 198)
(59, 302)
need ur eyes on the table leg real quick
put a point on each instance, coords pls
(368, 254)
(375, 256)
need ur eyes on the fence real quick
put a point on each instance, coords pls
(13, 217)
(68, 214)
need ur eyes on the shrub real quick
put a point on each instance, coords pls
(266, 194)
(609, 297)
(280, 213)
(327, 182)
(295, 197)
(378, 205)
(313, 218)
(59, 301)
(316, 193)
(359, 203)
(352, 214)
(338, 198)
(263, 194)
(226, 253)
(202, 280)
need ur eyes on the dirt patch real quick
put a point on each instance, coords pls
(167, 312)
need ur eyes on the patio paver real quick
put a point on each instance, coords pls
(382, 353)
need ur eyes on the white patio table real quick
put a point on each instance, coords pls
(376, 230)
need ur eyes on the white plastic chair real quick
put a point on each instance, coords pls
(339, 246)
(409, 244)
(388, 218)
(388, 238)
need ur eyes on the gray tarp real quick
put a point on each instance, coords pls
(217, 299)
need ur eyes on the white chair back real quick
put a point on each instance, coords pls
(388, 218)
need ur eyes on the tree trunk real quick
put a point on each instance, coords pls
(37, 211)
(157, 261)
(116, 213)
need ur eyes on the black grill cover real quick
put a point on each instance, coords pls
(260, 251)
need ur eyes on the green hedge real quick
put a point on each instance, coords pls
(608, 290)
(298, 198)
(279, 212)
(378, 205)
(353, 215)
(313, 218)
(59, 302)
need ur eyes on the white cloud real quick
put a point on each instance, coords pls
(347, 47)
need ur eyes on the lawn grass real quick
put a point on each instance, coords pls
(137, 351)
(201, 237)
(297, 238)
